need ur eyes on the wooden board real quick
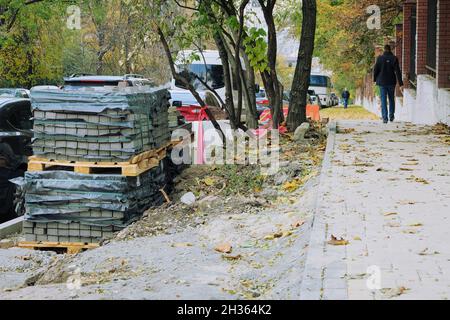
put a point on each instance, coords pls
(69, 247)
(136, 166)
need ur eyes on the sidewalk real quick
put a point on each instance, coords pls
(386, 190)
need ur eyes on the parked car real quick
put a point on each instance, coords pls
(334, 99)
(75, 82)
(15, 137)
(14, 92)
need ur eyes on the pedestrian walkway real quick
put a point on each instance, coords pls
(385, 196)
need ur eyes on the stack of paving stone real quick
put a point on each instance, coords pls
(63, 206)
(93, 126)
(98, 125)
(177, 121)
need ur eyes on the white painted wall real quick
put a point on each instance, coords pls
(426, 105)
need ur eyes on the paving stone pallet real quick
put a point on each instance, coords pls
(62, 206)
(99, 125)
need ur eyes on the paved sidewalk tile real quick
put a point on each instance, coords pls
(386, 190)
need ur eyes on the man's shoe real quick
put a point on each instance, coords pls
(385, 121)
(392, 120)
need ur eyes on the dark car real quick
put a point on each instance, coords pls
(15, 138)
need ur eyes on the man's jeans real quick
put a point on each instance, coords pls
(345, 103)
(385, 93)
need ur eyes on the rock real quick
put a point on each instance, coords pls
(299, 134)
(188, 198)
(207, 202)
(281, 179)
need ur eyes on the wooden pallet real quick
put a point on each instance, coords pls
(132, 168)
(67, 247)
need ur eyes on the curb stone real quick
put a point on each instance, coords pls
(313, 286)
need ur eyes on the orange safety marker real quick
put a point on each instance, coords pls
(313, 112)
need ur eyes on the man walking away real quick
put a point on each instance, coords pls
(386, 74)
(346, 97)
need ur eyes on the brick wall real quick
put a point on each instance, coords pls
(443, 44)
(408, 8)
(399, 50)
(422, 17)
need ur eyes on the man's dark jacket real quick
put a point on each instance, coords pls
(346, 94)
(387, 70)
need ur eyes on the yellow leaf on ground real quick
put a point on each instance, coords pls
(224, 248)
(298, 224)
(274, 236)
(181, 245)
(394, 292)
(337, 242)
(389, 214)
(209, 181)
(417, 224)
(292, 186)
(231, 257)
(410, 231)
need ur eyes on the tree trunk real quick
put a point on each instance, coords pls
(250, 93)
(300, 83)
(229, 102)
(270, 77)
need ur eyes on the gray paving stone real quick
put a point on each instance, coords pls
(354, 204)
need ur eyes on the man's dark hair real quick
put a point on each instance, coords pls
(387, 48)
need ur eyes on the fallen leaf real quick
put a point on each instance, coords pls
(346, 131)
(287, 233)
(230, 257)
(387, 214)
(410, 163)
(410, 231)
(406, 202)
(406, 169)
(274, 236)
(292, 186)
(337, 242)
(209, 181)
(394, 224)
(298, 224)
(224, 248)
(357, 238)
(394, 292)
(426, 252)
(416, 224)
(181, 245)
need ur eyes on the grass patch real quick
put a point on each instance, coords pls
(352, 113)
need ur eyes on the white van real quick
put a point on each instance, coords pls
(209, 68)
(321, 84)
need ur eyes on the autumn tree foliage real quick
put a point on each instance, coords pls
(347, 34)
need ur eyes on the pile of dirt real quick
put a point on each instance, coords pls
(232, 189)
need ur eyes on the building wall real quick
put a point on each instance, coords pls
(443, 44)
(429, 102)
